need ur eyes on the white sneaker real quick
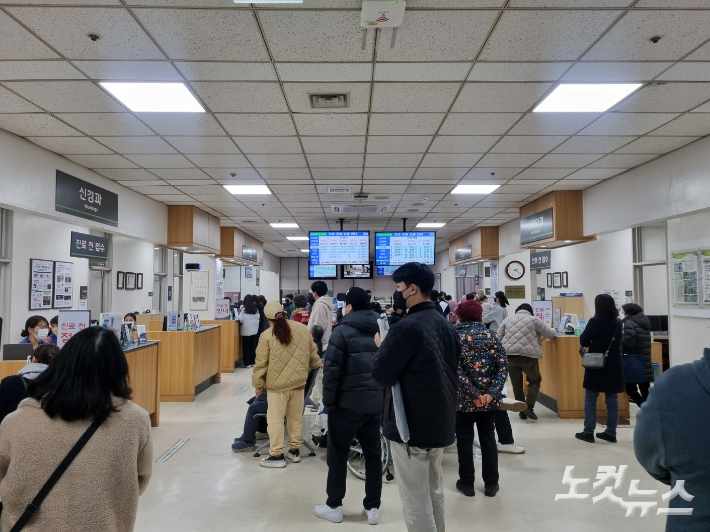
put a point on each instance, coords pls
(373, 516)
(293, 455)
(512, 405)
(510, 449)
(334, 515)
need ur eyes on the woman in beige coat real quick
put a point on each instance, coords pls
(87, 381)
(285, 354)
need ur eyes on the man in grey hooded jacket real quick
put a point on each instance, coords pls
(321, 315)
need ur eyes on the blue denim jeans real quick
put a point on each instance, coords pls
(251, 424)
(590, 412)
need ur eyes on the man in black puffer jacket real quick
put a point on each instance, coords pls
(637, 339)
(421, 353)
(354, 402)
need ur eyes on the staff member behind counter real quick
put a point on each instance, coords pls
(36, 331)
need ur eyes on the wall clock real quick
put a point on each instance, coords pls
(515, 270)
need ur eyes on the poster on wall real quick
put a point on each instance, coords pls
(685, 278)
(221, 309)
(41, 284)
(494, 276)
(219, 280)
(199, 290)
(437, 282)
(543, 310)
(705, 268)
(63, 284)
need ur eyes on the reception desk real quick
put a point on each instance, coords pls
(562, 377)
(189, 362)
(230, 343)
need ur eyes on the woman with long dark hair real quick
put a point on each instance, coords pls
(497, 314)
(249, 317)
(36, 331)
(603, 332)
(87, 382)
(284, 356)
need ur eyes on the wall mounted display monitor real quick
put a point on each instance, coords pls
(322, 272)
(395, 249)
(386, 270)
(339, 247)
(356, 271)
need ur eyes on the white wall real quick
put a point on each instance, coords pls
(270, 279)
(131, 255)
(448, 279)
(655, 290)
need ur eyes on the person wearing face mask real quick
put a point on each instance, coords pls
(130, 318)
(399, 308)
(54, 328)
(494, 317)
(35, 332)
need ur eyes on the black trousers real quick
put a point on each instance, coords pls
(485, 423)
(249, 344)
(503, 428)
(343, 426)
(633, 389)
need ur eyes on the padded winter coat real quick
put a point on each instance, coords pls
(421, 353)
(285, 367)
(347, 367)
(637, 339)
(521, 334)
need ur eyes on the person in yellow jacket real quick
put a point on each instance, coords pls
(284, 356)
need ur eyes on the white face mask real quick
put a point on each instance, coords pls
(41, 334)
(345, 310)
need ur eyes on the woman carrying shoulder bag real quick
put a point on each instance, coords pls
(603, 335)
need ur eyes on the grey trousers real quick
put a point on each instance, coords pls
(421, 487)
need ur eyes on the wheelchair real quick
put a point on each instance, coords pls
(356, 459)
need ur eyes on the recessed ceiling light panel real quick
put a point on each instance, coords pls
(433, 225)
(474, 189)
(289, 225)
(155, 97)
(247, 189)
(268, 1)
(296, 238)
(585, 97)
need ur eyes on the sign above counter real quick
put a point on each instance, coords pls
(85, 200)
(536, 227)
(88, 246)
(541, 260)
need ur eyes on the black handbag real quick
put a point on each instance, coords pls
(33, 507)
(591, 360)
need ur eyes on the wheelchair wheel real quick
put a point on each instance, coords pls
(356, 458)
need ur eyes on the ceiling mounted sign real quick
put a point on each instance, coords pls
(88, 246)
(541, 260)
(85, 200)
(536, 227)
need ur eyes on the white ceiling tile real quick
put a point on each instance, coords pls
(656, 144)
(393, 191)
(203, 144)
(552, 123)
(499, 97)
(701, 54)
(405, 123)
(114, 124)
(177, 199)
(496, 173)
(666, 97)
(340, 124)
(190, 181)
(629, 39)
(163, 190)
(102, 161)
(206, 192)
(333, 144)
(315, 36)
(268, 144)
(627, 123)
(137, 144)
(569, 3)
(478, 123)
(594, 173)
(182, 123)
(616, 160)
(257, 124)
(439, 173)
(543, 173)
(517, 188)
(329, 174)
(518, 71)
(294, 189)
(388, 173)
(120, 174)
(324, 72)
(218, 160)
(11, 70)
(11, 103)
(70, 145)
(572, 184)
(413, 97)
(394, 160)
(566, 160)
(179, 173)
(18, 43)
(437, 36)
(220, 71)
(66, 29)
(462, 144)
(527, 144)
(398, 144)
(160, 161)
(627, 71)
(297, 95)
(35, 125)
(690, 124)
(545, 35)
(277, 161)
(335, 161)
(508, 160)
(66, 96)
(130, 70)
(247, 175)
(421, 71)
(593, 144)
(291, 174)
(539, 182)
(460, 160)
(229, 97)
(684, 71)
(199, 34)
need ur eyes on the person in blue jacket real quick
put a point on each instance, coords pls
(36, 331)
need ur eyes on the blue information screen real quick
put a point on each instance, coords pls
(339, 247)
(395, 249)
(322, 272)
(386, 270)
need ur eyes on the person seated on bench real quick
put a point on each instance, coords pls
(253, 424)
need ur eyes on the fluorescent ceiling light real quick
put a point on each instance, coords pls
(585, 97)
(568, 241)
(430, 224)
(247, 189)
(155, 97)
(289, 225)
(296, 238)
(474, 189)
(305, 250)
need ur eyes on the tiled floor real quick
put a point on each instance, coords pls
(207, 487)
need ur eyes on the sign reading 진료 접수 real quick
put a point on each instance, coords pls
(88, 246)
(85, 200)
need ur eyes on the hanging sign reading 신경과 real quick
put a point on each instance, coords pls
(85, 200)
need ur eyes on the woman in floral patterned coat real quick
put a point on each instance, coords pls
(483, 370)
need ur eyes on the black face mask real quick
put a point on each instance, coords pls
(398, 300)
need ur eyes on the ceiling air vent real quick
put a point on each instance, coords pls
(344, 190)
(359, 209)
(361, 195)
(329, 101)
(418, 204)
(412, 210)
(381, 197)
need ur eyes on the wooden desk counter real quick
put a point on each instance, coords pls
(11, 367)
(189, 362)
(562, 377)
(230, 343)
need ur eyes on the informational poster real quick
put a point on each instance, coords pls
(41, 284)
(705, 265)
(248, 272)
(221, 309)
(199, 290)
(63, 284)
(685, 278)
(172, 319)
(543, 310)
(83, 297)
(494, 276)
(219, 280)
(70, 323)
